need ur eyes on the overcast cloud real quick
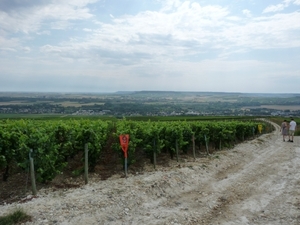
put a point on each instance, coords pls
(132, 45)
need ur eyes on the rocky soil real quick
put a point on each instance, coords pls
(256, 182)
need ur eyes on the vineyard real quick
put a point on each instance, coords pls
(52, 144)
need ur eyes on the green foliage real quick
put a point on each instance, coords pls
(16, 217)
(52, 143)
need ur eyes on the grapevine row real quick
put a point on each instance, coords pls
(53, 143)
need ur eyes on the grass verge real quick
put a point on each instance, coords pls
(16, 217)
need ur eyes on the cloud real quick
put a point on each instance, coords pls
(179, 30)
(87, 30)
(274, 8)
(173, 40)
(45, 32)
(153, 32)
(266, 32)
(26, 49)
(247, 12)
(8, 43)
(30, 16)
(14, 5)
(297, 2)
(49, 48)
(169, 75)
(4, 49)
(170, 5)
(280, 7)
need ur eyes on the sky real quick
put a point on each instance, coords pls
(249, 46)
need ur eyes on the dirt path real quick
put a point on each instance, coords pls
(257, 182)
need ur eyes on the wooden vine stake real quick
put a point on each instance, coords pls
(33, 185)
(194, 152)
(176, 144)
(154, 154)
(86, 163)
(206, 144)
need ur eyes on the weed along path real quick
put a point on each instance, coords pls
(257, 182)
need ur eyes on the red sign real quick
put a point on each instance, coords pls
(124, 141)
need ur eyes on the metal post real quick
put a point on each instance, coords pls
(86, 163)
(126, 167)
(176, 143)
(194, 152)
(206, 144)
(33, 185)
(154, 154)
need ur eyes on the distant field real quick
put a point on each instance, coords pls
(278, 107)
(63, 103)
(16, 103)
(24, 102)
(77, 104)
(30, 116)
(112, 118)
(203, 99)
(54, 117)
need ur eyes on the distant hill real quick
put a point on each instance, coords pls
(206, 93)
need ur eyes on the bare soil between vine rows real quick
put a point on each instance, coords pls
(257, 182)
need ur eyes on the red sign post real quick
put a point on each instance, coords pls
(124, 141)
